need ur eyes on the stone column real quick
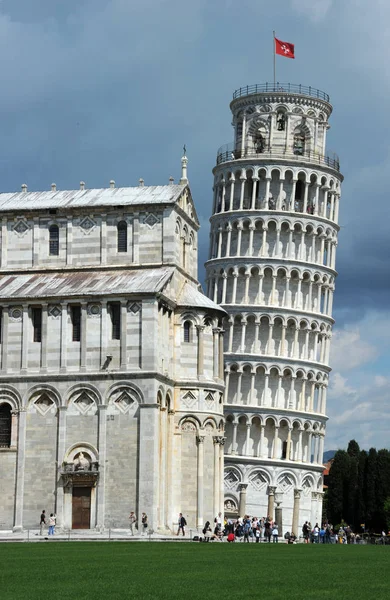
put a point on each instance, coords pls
(24, 338)
(232, 182)
(271, 501)
(313, 509)
(220, 354)
(247, 440)
(222, 441)
(21, 454)
(44, 339)
(234, 441)
(103, 239)
(69, 240)
(217, 483)
(200, 330)
(14, 429)
(215, 352)
(4, 242)
(123, 342)
(295, 520)
(300, 452)
(224, 285)
(242, 501)
(64, 340)
(261, 442)
(61, 441)
(4, 340)
(103, 333)
(102, 447)
(200, 490)
(275, 444)
(83, 337)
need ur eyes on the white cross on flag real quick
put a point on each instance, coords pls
(284, 48)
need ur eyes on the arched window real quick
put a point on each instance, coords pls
(54, 240)
(299, 144)
(122, 236)
(259, 143)
(5, 426)
(187, 327)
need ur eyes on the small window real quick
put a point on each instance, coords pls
(75, 315)
(36, 315)
(54, 240)
(187, 331)
(284, 450)
(115, 312)
(122, 236)
(5, 426)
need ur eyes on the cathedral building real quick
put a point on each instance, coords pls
(271, 266)
(111, 374)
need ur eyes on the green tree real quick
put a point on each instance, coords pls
(370, 488)
(338, 486)
(360, 497)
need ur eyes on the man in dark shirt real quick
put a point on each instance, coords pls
(42, 522)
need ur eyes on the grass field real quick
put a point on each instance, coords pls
(117, 570)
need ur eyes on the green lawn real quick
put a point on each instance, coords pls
(117, 570)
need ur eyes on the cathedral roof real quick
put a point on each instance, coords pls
(84, 283)
(190, 296)
(159, 194)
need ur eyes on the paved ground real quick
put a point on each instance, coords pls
(32, 535)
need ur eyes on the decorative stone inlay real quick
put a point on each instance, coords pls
(307, 486)
(83, 402)
(21, 227)
(54, 311)
(43, 404)
(151, 220)
(188, 426)
(16, 313)
(134, 307)
(94, 310)
(189, 399)
(87, 225)
(285, 483)
(258, 480)
(231, 479)
(209, 398)
(124, 401)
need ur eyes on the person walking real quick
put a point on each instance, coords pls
(181, 524)
(133, 520)
(144, 521)
(52, 523)
(42, 522)
(267, 531)
(275, 533)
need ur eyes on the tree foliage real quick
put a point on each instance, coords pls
(359, 488)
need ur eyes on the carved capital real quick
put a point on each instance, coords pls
(200, 439)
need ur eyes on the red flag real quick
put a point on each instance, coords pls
(284, 48)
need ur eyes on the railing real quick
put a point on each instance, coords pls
(289, 88)
(228, 153)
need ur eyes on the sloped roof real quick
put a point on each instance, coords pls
(84, 283)
(160, 194)
(190, 296)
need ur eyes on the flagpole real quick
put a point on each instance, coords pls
(274, 61)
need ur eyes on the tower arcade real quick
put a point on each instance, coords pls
(272, 268)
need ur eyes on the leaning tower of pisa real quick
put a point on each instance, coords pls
(272, 267)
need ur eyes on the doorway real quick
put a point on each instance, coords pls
(81, 508)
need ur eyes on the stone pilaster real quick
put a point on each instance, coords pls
(61, 447)
(21, 455)
(102, 448)
(200, 481)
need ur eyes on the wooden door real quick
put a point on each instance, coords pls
(81, 508)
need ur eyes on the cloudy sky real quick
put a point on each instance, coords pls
(96, 90)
